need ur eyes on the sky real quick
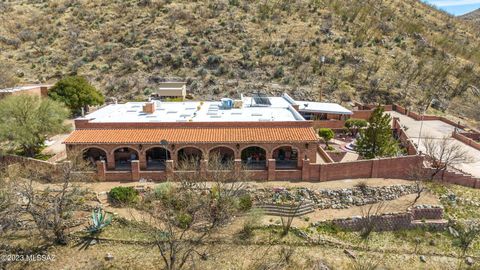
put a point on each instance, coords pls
(456, 7)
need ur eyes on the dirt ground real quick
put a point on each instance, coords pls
(348, 183)
(399, 205)
(226, 256)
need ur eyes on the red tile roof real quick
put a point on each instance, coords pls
(191, 135)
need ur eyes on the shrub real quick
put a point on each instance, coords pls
(252, 220)
(245, 202)
(362, 185)
(163, 190)
(184, 220)
(354, 125)
(213, 61)
(326, 134)
(278, 73)
(123, 195)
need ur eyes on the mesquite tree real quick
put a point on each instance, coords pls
(189, 211)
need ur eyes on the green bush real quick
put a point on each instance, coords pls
(326, 134)
(184, 220)
(245, 202)
(164, 190)
(123, 195)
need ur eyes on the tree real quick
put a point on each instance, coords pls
(76, 92)
(48, 210)
(465, 233)
(377, 139)
(326, 134)
(189, 212)
(444, 153)
(354, 125)
(26, 121)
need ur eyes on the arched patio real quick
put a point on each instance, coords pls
(156, 158)
(189, 158)
(254, 158)
(221, 156)
(93, 154)
(286, 157)
(123, 158)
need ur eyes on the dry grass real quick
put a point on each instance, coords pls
(374, 50)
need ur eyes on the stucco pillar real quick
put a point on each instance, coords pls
(203, 168)
(174, 158)
(101, 169)
(375, 163)
(238, 154)
(143, 160)
(135, 170)
(306, 170)
(110, 161)
(300, 155)
(237, 165)
(169, 168)
(271, 169)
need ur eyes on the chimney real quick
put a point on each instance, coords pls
(149, 107)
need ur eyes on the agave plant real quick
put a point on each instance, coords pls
(100, 220)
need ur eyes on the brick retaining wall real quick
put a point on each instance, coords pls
(467, 140)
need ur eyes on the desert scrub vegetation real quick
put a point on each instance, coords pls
(123, 196)
(387, 51)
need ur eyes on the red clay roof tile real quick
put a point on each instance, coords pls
(191, 135)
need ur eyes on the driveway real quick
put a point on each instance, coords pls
(438, 129)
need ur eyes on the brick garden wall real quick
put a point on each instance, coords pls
(468, 139)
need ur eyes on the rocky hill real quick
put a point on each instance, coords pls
(370, 50)
(473, 16)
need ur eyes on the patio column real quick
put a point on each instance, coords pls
(306, 170)
(203, 167)
(300, 157)
(174, 158)
(237, 165)
(101, 168)
(135, 170)
(169, 168)
(111, 161)
(143, 160)
(271, 169)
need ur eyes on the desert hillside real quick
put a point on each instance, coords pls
(369, 50)
(473, 16)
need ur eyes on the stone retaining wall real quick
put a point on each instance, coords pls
(415, 217)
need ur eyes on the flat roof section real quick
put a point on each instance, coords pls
(192, 111)
(322, 107)
(248, 109)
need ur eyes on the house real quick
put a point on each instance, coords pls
(171, 90)
(255, 133)
(40, 90)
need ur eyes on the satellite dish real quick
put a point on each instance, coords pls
(163, 142)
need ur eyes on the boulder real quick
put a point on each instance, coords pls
(109, 257)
